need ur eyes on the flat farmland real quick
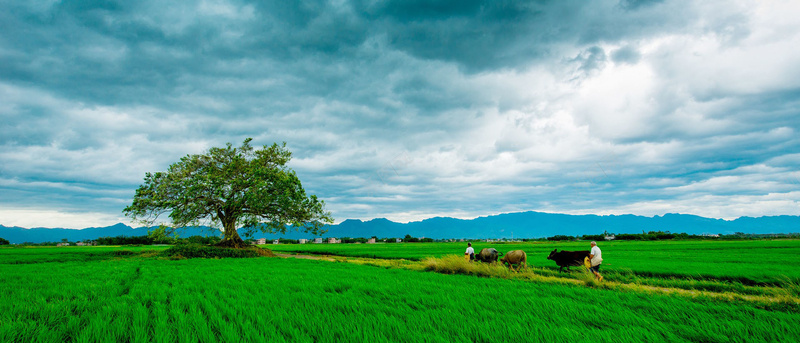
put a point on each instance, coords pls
(747, 261)
(101, 294)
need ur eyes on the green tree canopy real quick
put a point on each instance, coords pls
(4, 241)
(234, 187)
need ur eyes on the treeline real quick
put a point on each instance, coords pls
(210, 240)
(407, 238)
(150, 240)
(135, 240)
(410, 239)
(45, 244)
(666, 235)
(644, 236)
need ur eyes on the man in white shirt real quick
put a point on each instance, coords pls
(596, 258)
(470, 252)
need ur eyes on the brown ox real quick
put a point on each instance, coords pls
(517, 257)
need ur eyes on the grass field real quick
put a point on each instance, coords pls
(749, 262)
(96, 294)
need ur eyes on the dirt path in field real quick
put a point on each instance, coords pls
(689, 293)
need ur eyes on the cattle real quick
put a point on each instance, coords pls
(566, 258)
(487, 255)
(517, 257)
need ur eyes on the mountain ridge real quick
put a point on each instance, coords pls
(530, 224)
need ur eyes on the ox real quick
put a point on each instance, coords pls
(517, 257)
(565, 258)
(487, 255)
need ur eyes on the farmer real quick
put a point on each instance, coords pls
(596, 258)
(470, 252)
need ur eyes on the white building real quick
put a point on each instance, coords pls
(318, 240)
(302, 241)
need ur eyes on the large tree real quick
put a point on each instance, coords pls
(234, 187)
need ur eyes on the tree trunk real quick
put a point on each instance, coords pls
(231, 237)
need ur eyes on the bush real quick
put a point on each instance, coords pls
(598, 238)
(4, 241)
(125, 240)
(204, 251)
(209, 240)
(561, 238)
(353, 240)
(628, 237)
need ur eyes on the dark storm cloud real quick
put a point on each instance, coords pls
(141, 52)
(487, 35)
(400, 108)
(637, 4)
(627, 54)
(589, 62)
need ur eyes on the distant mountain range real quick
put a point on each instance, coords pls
(508, 225)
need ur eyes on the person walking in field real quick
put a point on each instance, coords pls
(596, 258)
(470, 253)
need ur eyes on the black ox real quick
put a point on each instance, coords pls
(488, 255)
(565, 258)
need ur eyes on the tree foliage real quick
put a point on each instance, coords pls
(4, 241)
(232, 187)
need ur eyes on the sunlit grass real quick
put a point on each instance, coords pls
(141, 297)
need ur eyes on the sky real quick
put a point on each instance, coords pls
(408, 109)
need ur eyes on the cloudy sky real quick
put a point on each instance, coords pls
(408, 109)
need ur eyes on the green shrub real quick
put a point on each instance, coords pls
(205, 251)
(561, 238)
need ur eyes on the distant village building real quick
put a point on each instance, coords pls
(318, 240)
(609, 237)
(261, 241)
(333, 240)
(371, 241)
(62, 244)
(398, 240)
(711, 235)
(276, 241)
(302, 241)
(80, 244)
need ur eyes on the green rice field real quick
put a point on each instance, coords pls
(744, 291)
(747, 261)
